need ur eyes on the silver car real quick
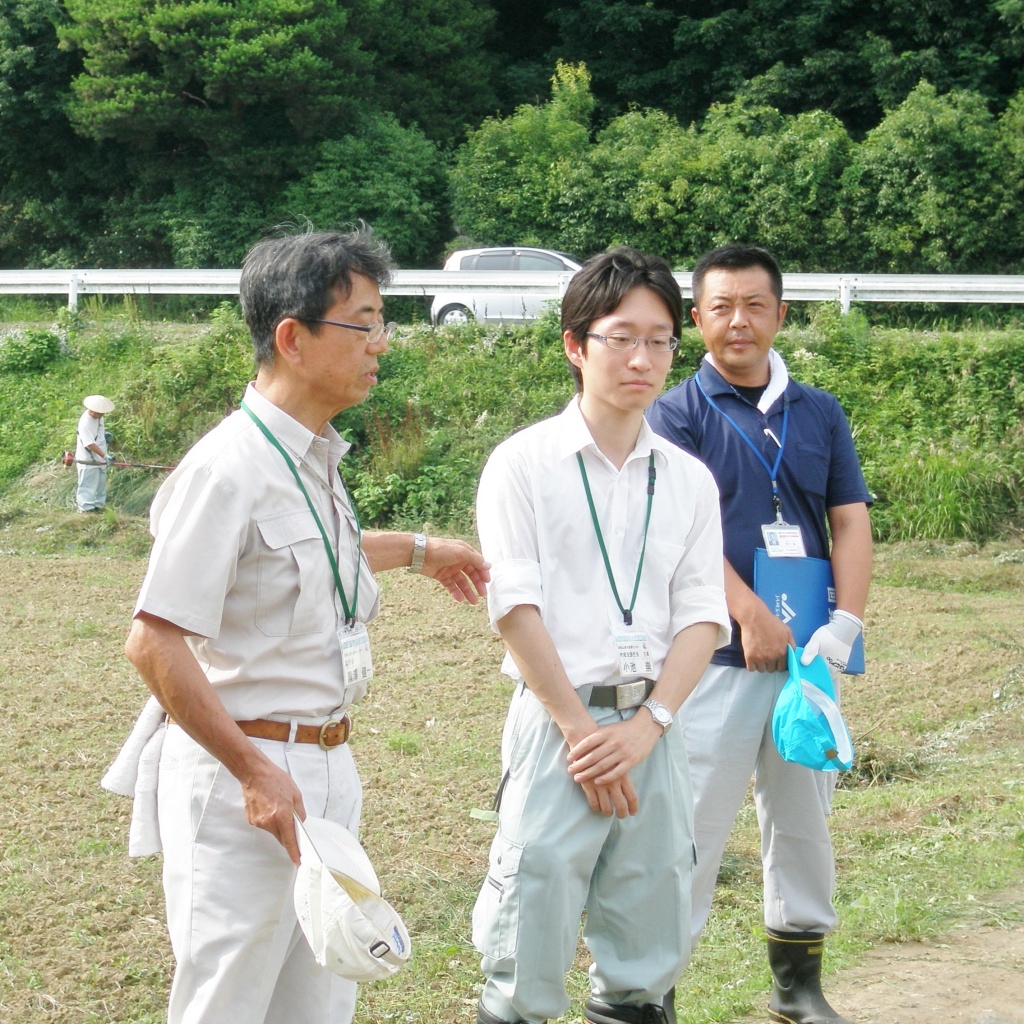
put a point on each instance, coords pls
(508, 304)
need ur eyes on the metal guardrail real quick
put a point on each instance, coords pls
(842, 288)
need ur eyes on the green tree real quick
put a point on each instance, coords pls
(388, 175)
(851, 59)
(53, 185)
(749, 173)
(611, 197)
(928, 191)
(246, 83)
(430, 62)
(510, 173)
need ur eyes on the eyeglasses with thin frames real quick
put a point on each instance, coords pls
(374, 332)
(625, 342)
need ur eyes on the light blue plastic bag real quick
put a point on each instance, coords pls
(807, 726)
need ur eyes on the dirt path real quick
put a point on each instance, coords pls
(973, 975)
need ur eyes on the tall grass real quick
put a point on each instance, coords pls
(938, 417)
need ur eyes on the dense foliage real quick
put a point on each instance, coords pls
(873, 136)
(936, 187)
(938, 417)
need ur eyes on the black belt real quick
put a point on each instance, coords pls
(619, 696)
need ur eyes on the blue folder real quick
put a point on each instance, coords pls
(801, 592)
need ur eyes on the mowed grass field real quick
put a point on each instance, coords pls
(928, 829)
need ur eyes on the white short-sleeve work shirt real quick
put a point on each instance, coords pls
(239, 563)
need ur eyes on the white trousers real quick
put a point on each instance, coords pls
(240, 953)
(727, 728)
(553, 857)
(92, 488)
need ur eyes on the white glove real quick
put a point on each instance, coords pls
(834, 640)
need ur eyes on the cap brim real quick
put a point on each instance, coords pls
(337, 849)
(817, 673)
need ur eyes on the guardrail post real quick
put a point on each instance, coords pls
(844, 295)
(73, 292)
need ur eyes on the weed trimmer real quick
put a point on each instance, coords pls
(68, 459)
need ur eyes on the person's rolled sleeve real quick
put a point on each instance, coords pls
(698, 587)
(513, 582)
(702, 604)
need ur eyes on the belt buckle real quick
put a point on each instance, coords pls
(323, 729)
(630, 695)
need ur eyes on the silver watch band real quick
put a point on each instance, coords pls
(419, 552)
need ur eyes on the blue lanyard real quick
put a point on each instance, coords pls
(350, 613)
(772, 470)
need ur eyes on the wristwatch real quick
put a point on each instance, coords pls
(419, 552)
(660, 714)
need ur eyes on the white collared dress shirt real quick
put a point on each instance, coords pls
(537, 532)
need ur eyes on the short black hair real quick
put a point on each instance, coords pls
(735, 257)
(599, 288)
(301, 275)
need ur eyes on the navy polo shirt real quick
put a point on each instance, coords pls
(819, 468)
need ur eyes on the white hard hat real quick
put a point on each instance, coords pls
(98, 403)
(353, 931)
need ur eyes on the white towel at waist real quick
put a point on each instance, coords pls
(134, 772)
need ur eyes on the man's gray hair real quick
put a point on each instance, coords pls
(303, 275)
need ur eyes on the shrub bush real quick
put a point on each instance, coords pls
(28, 351)
(938, 417)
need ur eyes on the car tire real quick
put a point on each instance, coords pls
(455, 314)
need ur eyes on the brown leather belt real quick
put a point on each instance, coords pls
(331, 734)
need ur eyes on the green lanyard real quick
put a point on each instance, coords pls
(627, 613)
(350, 613)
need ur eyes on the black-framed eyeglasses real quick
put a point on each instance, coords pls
(625, 342)
(374, 332)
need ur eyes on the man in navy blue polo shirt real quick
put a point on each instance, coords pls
(783, 458)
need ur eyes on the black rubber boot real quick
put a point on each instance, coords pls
(484, 1016)
(795, 960)
(597, 1012)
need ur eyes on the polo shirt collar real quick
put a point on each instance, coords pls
(575, 436)
(715, 384)
(290, 432)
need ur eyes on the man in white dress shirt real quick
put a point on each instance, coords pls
(250, 630)
(607, 589)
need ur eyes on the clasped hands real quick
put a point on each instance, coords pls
(600, 762)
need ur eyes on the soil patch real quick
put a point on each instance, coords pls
(973, 975)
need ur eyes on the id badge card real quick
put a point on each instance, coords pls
(634, 654)
(783, 540)
(357, 664)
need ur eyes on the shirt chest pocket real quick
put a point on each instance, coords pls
(812, 465)
(295, 586)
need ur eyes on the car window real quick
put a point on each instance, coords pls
(539, 261)
(494, 261)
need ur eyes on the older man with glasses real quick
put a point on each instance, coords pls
(250, 630)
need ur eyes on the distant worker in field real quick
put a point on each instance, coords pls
(91, 454)
(250, 630)
(784, 460)
(608, 592)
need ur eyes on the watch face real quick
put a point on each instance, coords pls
(660, 714)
